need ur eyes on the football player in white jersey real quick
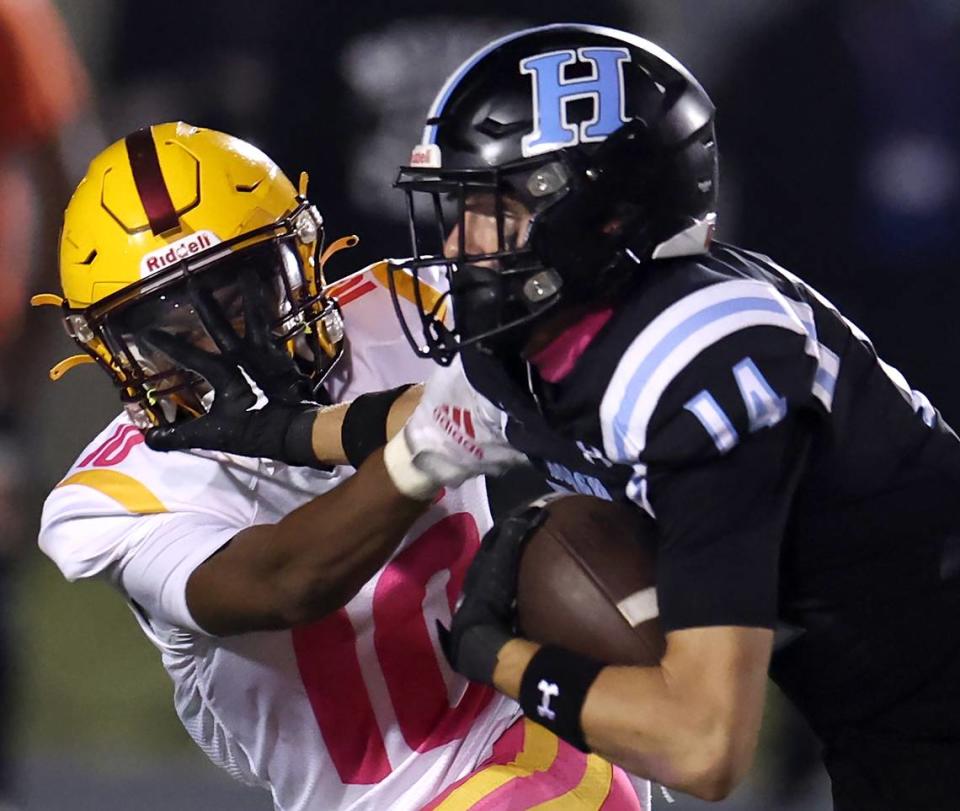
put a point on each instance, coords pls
(294, 604)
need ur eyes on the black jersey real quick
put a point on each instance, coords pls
(795, 479)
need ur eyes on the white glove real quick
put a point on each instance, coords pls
(454, 434)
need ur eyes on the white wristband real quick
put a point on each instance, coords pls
(405, 475)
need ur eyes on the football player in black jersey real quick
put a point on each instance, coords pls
(569, 176)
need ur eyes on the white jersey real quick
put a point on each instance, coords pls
(358, 710)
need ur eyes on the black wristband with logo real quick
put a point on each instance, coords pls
(553, 689)
(364, 426)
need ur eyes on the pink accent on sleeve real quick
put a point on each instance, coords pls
(564, 775)
(561, 780)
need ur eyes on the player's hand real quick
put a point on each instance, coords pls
(484, 619)
(239, 422)
(453, 435)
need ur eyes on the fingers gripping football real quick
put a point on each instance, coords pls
(484, 620)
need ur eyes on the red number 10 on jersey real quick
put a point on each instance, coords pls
(333, 671)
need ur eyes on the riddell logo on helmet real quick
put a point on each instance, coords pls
(426, 156)
(457, 423)
(177, 251)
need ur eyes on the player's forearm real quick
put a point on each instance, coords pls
(312, 562)
(665, 731)
(635, 717)
(335, 543)
(321, 554)
(402, 408)
(327, 433)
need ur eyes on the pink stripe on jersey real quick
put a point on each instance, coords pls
(343, 299)
(564, 774)
(344, 285)
(522, 775)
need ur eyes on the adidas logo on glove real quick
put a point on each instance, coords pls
(457, 423)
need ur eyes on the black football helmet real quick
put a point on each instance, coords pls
(603, 139)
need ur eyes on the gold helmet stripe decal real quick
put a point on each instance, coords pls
(148, 178)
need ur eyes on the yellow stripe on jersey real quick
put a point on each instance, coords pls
(589, 794)
(134, 496)
(404, 283)
(539, 751)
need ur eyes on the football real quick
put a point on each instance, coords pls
(587, 582)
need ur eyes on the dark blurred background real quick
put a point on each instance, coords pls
(838, 128)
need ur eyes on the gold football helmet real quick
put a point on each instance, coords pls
(172, 212)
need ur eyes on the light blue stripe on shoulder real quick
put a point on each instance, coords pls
(661, 354)
(670, 342)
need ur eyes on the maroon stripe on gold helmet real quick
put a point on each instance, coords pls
(148, 178)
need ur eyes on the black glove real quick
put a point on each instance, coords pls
(281, 429)
(484, 620)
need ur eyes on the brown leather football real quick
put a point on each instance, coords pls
(587, 582)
